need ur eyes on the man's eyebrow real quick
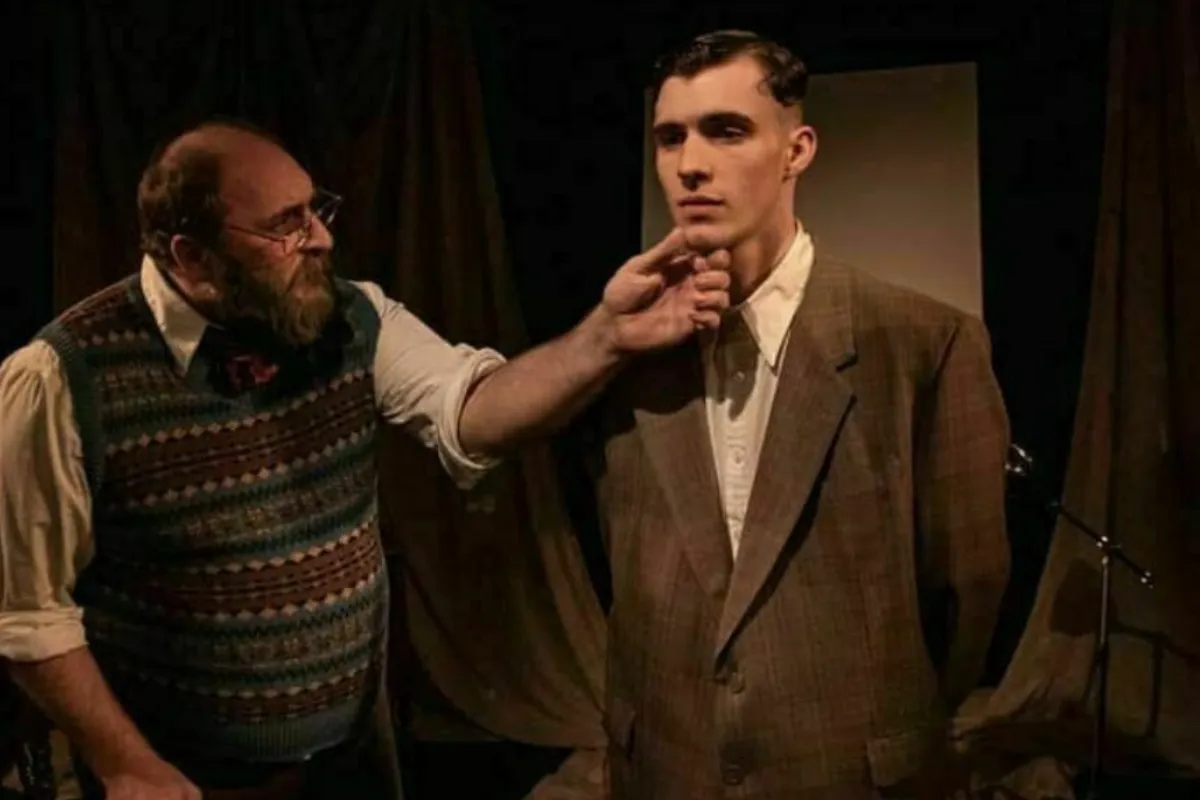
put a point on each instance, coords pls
(286, 213)
(728, 117)
(709, 117)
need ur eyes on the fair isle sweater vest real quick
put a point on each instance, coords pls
(236, 601)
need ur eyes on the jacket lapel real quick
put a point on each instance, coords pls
(810, 404)
(673, 424)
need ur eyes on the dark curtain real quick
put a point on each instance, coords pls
(1134, 471)
(499, 603)
(129, 74)
(495, 618)
(565, 119)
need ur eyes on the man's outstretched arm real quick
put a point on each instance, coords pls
(656, 300)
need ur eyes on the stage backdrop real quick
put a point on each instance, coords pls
(894, 188)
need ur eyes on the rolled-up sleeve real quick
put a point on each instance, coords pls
(45, 509)
(422, 383)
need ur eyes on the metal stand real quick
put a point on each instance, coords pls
(1020, 465)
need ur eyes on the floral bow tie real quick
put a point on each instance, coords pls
(240, 368)
(247, 371)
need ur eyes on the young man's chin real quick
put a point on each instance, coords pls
(704, 237)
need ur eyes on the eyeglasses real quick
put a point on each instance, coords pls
(323, 206)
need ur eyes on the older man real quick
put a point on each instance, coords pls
(191, 579)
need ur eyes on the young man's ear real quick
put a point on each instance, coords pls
(802, 148)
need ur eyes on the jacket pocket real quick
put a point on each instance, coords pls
(900, 758)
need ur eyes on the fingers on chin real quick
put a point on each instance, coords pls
(706, 281)
(669, 247)
(712, 301)
(713, 262)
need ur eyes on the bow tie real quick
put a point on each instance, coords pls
(239, 367)
(247, 371)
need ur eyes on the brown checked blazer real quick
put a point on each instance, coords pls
(826, 661)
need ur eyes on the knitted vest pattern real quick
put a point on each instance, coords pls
(237, 597)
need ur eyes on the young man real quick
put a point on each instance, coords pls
(191, 580)
(804, 509)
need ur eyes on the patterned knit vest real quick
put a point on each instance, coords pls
(236, 601)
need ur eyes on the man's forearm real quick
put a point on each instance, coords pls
(539, 392)
(71, 691)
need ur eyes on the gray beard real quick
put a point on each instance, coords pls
(257, 308)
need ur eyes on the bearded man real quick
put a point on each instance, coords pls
(192, 585)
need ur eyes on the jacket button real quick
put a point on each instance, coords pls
(731, 677)
(733, 774)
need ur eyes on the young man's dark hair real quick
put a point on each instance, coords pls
(786, 75)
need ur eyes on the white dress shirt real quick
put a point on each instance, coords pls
(421, 382)
(741, 372)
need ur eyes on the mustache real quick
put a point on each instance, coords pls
(313, 269)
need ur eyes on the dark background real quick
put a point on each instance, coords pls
(562, 88)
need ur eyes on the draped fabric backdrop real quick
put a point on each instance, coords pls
(499, 603)
(381, 102)
(1134, 472)
(494, 612)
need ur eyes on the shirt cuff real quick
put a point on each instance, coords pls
(465, 469)
(39, 635)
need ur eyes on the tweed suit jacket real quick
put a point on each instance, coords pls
(826, 661)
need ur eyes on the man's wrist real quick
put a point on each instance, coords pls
(134, 759)
(119, 749)
(599, 335)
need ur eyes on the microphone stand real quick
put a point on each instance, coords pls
(1020, 465)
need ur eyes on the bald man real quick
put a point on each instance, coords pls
(191, 580)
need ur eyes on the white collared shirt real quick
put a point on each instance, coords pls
(741, 373)
(421, 382)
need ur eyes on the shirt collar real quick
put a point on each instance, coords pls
(181, 325)
(768, 312)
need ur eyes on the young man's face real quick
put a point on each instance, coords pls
(727, 153)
